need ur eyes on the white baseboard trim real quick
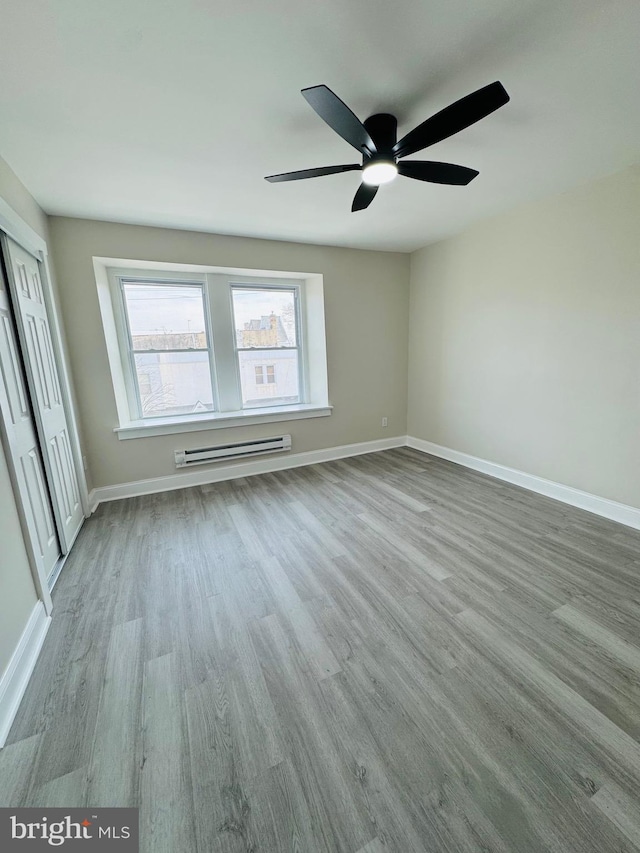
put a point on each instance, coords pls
(219, 473)
(628, 515)
(17, 674)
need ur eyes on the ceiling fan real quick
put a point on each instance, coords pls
(376, 140)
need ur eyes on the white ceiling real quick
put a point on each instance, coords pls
(171, 113)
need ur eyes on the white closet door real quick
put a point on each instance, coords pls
(23, 443)
(50, 416)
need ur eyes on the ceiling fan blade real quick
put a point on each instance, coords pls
(453, 118)
(312, 173)
(437, 173)
(363, 198)
(339, 118)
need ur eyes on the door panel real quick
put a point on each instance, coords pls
(48, 547)
(50, 415)
(11, 372)
(23, 443)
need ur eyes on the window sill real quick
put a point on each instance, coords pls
(219, 420)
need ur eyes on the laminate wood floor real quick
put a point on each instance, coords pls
(385, 654)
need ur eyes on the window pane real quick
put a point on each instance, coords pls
(265, 318)
(174, 383)
(165, 316)
(281, 373)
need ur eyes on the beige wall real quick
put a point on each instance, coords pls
(17, 592)
(525, 339)
(21, 201)
(366, 310)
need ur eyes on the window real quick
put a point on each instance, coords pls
(266, 321)
(270, 374)
(197, 349)
(169, 348)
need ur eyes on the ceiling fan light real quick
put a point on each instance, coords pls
(379, 172)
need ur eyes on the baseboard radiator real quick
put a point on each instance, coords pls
(237, 450)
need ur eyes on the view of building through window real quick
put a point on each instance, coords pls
(170, 349)
(267, 344)
(269, 372)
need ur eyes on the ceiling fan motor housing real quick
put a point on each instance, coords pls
(383, 129)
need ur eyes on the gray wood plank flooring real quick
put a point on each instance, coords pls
(384, 653)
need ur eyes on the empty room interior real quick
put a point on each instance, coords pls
(320, 494)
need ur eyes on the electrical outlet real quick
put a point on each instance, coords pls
(385, 422)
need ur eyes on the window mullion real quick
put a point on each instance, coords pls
(223, 334)
(303, 365)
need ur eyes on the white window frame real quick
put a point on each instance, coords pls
(217, 283)
(126, 340)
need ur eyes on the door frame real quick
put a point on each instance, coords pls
(15, 227)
